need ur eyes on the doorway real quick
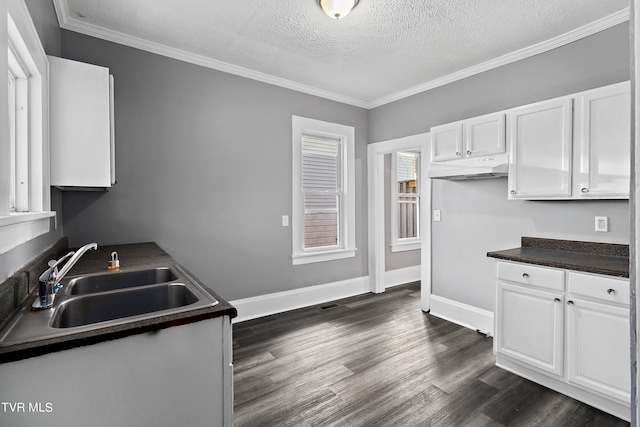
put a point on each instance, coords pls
(377, 223)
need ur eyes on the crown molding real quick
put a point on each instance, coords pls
(545, 46)
(68, 23)
(71, 24)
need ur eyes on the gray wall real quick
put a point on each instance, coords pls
(203, 162)
(44, 19)
(476, 215)
(46, 24)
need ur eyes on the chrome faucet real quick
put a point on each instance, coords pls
(50, 280)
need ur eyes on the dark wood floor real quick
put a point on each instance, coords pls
(378, 360)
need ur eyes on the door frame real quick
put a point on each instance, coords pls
(375, 161)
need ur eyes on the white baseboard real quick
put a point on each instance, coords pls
(402, 276)
(462, 314)
(265, 305)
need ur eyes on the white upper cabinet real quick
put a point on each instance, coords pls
(540, 137)
(446, 142)
(603, 135)
(81, 111)
(548, 162)
(475, 137)
(484, 135)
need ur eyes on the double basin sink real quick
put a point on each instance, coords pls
(97, 301)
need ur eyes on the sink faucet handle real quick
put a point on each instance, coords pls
(76, 256)
(52, 271)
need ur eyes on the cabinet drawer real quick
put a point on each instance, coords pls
(531, 275)
(604, 288)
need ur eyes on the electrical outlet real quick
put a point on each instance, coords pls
(436, 215)
(285, 220)
(602, 224)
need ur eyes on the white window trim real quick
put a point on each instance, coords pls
(17, 228)
(347, 249)
(20, 128)
(406, 244)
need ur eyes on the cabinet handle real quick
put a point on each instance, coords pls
(556, 300)
(584, 190)
(569, 302)
(469, 152)
(458, 154)
(512, 192)
(525, 275)
(611, 291)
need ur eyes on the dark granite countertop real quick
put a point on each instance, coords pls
(132, 257)
(590, 257)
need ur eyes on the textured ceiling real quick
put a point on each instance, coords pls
(380, 49)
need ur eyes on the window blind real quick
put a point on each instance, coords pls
(321, 182)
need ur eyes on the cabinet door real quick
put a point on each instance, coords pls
(80, 124)
(598, 347)
(446, 142)
(530, 326)
(539, 138)
(484, 135)
(603, 135)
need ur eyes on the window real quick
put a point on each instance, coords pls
(323, 215)
(12, 141)
(321, 191)
(18, 134)
(24, 196)
(405, 201)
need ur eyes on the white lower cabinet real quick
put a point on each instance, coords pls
(177, 376)
(572, 337)
(539, 315)
(598, 355)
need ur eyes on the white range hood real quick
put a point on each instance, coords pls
(494, 166)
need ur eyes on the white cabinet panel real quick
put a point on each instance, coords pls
(177, 376)
(446, 142)
(484, 135)
(475, 137)
(606, 289)
(581, 347)
(531, 275)
(530, 326)
(603, 135)
(598, 347)
(540, 137)
(81, 124)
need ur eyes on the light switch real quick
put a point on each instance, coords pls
(285, 220)
(436, 214)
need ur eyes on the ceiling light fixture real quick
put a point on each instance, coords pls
(337, 9)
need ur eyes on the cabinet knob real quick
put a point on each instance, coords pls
(556, 300)
(469, 152)
(584, 190)
(525, 275)
(569, 302)
(512, 192)
(458, 154)
(611, 291)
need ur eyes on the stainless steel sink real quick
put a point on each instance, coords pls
(118, 280)
(117, 305)
(99, 301)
